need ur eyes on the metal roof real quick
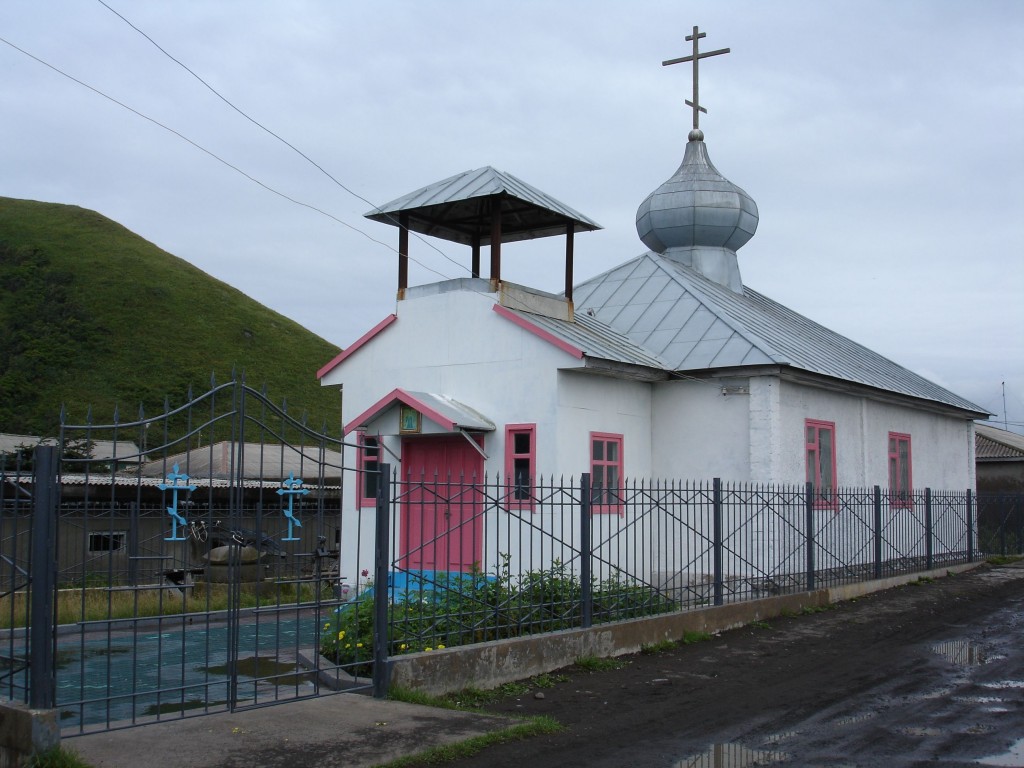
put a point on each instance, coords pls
(260, 461)
(595, 339)
(444, 411)
(992, 444)
(693, 323)
(100, 450)
(459, 209)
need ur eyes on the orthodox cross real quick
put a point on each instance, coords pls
(173, 486)
(291, 488)
(695, 57)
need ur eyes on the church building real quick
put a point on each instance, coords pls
(665, 367)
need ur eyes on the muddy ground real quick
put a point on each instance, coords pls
(929, 674)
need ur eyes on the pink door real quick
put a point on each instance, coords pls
(441, 523)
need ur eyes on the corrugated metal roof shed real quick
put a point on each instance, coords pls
(259, 461)
(993, 444)
(459, 209)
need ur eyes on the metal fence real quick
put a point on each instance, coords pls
(187, 569)
(473, 561)
(201, 571)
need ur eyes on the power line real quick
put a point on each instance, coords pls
(214, 155)
(281, 139)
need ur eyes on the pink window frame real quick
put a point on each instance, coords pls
(824, 498)
(606, 437)
(900, 499)
(511, 430)
(362, 459)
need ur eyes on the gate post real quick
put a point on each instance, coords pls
(970, 526)
(381, 588)
(809, 535)
(878, 531)
(716, 502)
(587, 592)
(43, 575)
(928, 546)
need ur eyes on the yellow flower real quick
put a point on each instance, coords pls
(348, 645)
(402, 647)
(327, 626)
(440, 647)
(359, 645)
(428, 648)
(341, 635)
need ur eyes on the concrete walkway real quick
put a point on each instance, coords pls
(348, 730)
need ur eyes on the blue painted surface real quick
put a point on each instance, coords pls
(426, 586)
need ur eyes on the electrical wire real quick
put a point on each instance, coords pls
(281, 139)
(215, 156)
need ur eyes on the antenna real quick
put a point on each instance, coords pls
(1005, 425)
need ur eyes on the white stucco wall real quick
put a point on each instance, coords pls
(941, 446)
(698, 433)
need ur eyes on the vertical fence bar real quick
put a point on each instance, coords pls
(716, 502)
(878, 532)
(929, 549)
(809, 533)
(42, 688)
(586, 586)
(970, 526)
(381, 564)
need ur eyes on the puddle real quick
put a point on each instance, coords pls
(980, 699)
(732, 756)
(775, 738)
(855, 718)
(963, 653)
(922, 732)
(1003, 685)
(1014, 757)
(267, 670)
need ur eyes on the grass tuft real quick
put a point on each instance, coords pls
(58, 757)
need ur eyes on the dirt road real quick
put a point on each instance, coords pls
(925, 674)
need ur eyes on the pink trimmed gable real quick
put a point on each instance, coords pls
(401, 396)
(526, 325)
(356, 345)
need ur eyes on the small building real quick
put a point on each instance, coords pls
(1000, 460)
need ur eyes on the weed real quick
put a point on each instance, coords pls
(513, 689)
(597, 664)
(58, 757)
(1002, 559)
(548, 680)
(535, 726)
(760, 625)
(660, 647)
(694, 637)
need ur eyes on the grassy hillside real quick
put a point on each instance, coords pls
(93, 315)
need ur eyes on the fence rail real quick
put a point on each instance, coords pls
(474, 561)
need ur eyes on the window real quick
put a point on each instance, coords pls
(107, 541)
(520, 463)
(821, 461)
(369, 468)
(605, 472)
(900, 487)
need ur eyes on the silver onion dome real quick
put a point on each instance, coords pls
(699, 217)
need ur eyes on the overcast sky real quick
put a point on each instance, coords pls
(882, 141)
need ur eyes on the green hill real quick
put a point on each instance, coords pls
(93, 315)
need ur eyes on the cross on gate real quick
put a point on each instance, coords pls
(174, 487)
(291, 487)
(695, 57)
